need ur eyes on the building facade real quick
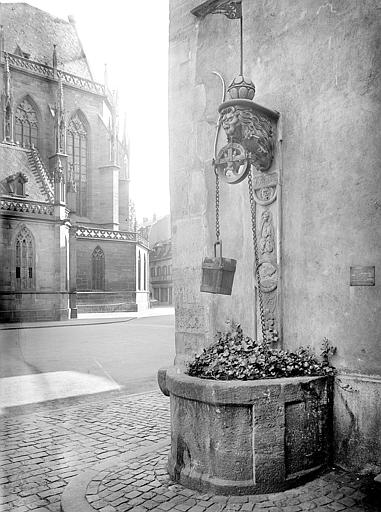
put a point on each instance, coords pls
(161, 285)
(66, 244)
(315, 187)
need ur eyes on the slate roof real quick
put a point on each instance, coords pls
(161, 251)
(14, 160)
(35, 31)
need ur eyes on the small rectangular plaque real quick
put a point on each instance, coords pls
(362, 276)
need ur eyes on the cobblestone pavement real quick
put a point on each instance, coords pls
(143, 485)
(45, 447)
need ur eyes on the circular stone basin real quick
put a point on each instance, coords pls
(248, 437)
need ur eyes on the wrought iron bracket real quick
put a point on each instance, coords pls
(232, 9)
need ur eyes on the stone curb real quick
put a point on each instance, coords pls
(65, 323)
(71, 401)
(73, 498)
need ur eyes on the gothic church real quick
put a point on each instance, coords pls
(66, 245)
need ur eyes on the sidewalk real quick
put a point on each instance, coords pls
(92, 318)
(108, 453)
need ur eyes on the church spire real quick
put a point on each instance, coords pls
(60, 125)
(55, 60)
(1, 43)
(114, 127)
(7, 104)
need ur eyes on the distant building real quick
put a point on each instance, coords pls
(161, 261)
(66, 243)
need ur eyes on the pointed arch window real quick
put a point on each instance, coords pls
(77, 150)
(25, 260)
(26, 125)
(98, 268)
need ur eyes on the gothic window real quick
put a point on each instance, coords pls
(152, 271)
(25, 267)
(98, 268)
(26, 125)
(139, 271)
(77, 150)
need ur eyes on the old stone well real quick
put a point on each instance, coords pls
(237, 169)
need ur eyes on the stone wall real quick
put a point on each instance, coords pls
(317, 64)
(119, 265)
(49, 298)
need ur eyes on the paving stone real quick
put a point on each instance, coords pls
(183, 506)
(217, 507)
(308, 505)
(238, 499)
(125, 507)
(52, 445)
(258, 498)
(293, 501)
(348, 501)
(323, 500)
(264, 505)
(134, 502)
(337, 506)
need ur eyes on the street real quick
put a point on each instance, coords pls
(49, 362)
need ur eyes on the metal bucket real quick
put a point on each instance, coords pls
(218, 273)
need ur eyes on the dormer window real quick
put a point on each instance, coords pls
(17, 184)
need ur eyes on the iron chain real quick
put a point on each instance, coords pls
(256, 257)
(217, 205)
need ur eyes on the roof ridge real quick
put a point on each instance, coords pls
(37, 9)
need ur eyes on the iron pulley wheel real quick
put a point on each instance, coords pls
(232, 163)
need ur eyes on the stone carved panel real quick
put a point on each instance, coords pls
(270, 308)
(267, 238)
(269, 268)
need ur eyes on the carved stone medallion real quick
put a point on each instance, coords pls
(265, 188)
(268, 274)
(231, 163)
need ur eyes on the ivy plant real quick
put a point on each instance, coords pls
(236, 356)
